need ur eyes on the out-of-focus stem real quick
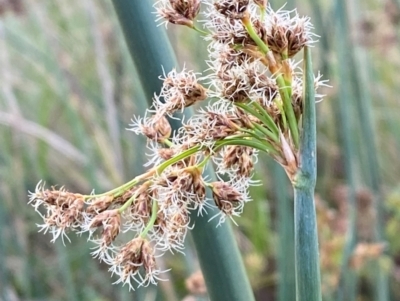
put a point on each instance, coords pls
(347, 289)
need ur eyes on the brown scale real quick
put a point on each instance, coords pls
(111, 222)
(182, 12)
(135, 254)
(225, 196)
(239, 156)
(222, 125)
(158, 130)
(177, 225)
(99, 204)
(66, 215)
(234, 9)
(230, 58)
(192, 91)
(198, 186)
(58, 197)
(231, 89)
(290, 39)
(187, 8)
(140, 209)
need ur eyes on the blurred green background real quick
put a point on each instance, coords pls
(68, 89)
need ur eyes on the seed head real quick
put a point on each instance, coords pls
(233, 9)
(225, 196)
(287, 35)
(135, 254)
(64, 210)
(179, 90)
(110, 220)
(99, 204)
(181, 12)
(158, 129)
(240, 158)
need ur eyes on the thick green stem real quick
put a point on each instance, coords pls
(308, 283)
(306, 243)
(218, 253)
(285, 226)
(150, 224)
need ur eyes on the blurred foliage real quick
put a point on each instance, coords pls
(68, 91)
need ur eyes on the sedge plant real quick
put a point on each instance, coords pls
(259, 100)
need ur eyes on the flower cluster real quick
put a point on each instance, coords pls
(255, 91)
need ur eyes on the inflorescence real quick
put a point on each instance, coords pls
(255, 91)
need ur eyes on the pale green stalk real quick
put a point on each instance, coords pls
(347, 290)
(371, 174)
(308, 283)
(285, 226)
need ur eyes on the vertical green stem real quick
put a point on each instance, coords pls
(218, 253)
(285, 226)
(371, 176)
(308, 283)
(347, 290)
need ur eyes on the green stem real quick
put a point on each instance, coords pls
(253, 34)
(168, 143)
(260, 129)
(257, 132)
(121, 189)
(279, 104)
(264, 118)
(127, 204)
(177, 158)
(306, 243)
(200, 30)
(268, 119)
(284, 90)
(262, 13)
(308, 283)
(285, 227)
(264, 147)
(150, 224)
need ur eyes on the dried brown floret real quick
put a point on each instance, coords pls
(158, 128)
(226, 197)
(181, 12)
(232, 8)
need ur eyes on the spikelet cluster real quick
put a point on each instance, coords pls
(254, 93)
